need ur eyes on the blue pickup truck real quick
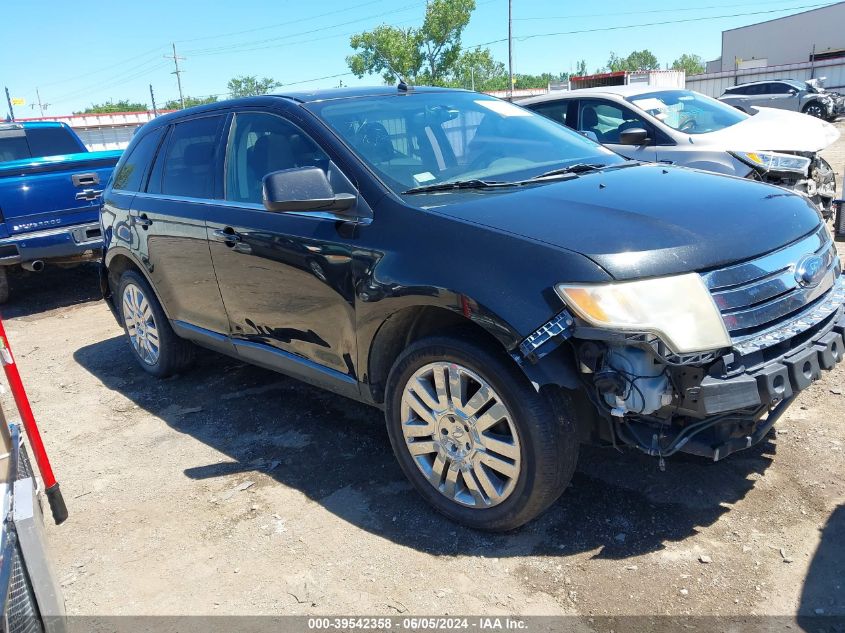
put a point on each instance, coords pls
(50, 187)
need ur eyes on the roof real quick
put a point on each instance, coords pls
(631, 90)
(350, 92)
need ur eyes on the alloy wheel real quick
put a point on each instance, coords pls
(815, 110)
(141, 324)
(460, 434)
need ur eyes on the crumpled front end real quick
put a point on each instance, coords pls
(785, 317)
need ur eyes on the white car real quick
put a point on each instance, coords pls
(685, 128)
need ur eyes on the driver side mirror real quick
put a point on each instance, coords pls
(303, 189)
(634, 136)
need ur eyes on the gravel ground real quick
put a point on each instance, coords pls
(234, 490)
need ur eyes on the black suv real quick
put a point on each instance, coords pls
(504, 288)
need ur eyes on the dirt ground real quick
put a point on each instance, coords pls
(234, 490)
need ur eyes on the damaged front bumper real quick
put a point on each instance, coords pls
(710, 404)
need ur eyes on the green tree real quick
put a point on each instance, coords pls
(175, 104)
(642, 60)
(250, 86)
(637, 60)
(478, 69)
(580, 68)
(123, 105)
(426, 54)
(692, 64)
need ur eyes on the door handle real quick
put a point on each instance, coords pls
(86, 179)
(228, 236)
(142, 220)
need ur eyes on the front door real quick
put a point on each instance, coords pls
(606, 120)
(285, 278)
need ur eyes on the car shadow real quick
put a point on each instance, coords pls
(822, 606)
(336, 451)
(55, 287)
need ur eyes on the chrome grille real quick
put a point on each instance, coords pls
(757, 294)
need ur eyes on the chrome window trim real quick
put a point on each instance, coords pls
(252, 206)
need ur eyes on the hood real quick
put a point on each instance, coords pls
(642, 221)
(773, 130)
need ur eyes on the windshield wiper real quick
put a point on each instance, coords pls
(580, 168)
(474, 183)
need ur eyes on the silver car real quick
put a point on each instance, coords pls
(786, 94)
(686, 128)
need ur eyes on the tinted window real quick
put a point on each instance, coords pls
(607, 120)
(131, 171)
(561, 111)
(13, 145)
(260, 144)
(757, 89)
(189, 162)
(739, 90)
(52, 141)
(780, 88)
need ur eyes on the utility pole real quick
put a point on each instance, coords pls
(510, 49)
(40, 105)
(153, 99)
(9, 101)
(472, 77)
(178, 73)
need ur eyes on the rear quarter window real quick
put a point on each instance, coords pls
(130, 174)
(52, 141)
(13, 145)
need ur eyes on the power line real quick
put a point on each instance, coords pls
(673, 10)
(288, 23)
(634, 26)
(252, 45)
(103, 69)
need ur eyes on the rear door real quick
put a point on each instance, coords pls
(285, 278)
(42, 193)
(167, 222)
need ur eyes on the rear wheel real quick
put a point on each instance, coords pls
(156, 347)
(473, 436)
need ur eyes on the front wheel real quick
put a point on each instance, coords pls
(154, 343)
(474, 437)
(816, 110)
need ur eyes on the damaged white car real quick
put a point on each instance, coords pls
(685, 128)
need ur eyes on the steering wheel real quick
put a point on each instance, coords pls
(688, 126)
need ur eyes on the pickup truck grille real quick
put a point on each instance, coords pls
(757, 295)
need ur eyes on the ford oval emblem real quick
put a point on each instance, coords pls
(809, 271)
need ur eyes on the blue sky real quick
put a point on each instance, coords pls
(77, 54)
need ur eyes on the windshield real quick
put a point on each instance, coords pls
(687, 111)
(428, 138)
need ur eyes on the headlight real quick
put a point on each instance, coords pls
(772, 161)
(678, 309)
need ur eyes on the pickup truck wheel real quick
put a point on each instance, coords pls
(156, 347)
(473, 436)
(4, 285)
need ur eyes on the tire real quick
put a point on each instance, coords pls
(538, 448)
(815, 109)
(4, 285)
(143, 322)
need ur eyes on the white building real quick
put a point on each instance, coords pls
(806, 45)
